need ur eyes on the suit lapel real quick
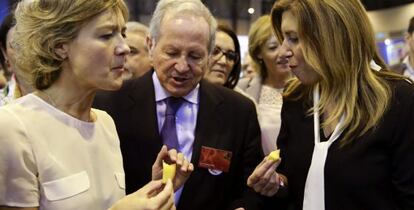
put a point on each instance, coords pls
(142, 96)
(207, 119)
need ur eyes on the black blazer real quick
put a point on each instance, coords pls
(226, 120)
(374, 172)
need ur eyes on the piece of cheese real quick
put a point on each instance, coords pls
(168, 171)
(274, 155)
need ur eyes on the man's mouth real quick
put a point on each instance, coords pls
(180, 79)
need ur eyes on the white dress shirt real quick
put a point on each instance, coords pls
(186, 119)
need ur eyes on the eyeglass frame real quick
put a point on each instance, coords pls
(227, 54)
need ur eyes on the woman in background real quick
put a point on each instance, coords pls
(56, 151)
(346, 140)
(225, 63)
(16, 86)
(267, 87)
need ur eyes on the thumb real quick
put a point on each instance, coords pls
(152, 186)
(161, 155)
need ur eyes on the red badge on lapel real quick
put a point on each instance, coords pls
(215, 159)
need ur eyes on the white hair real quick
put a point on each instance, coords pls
(189, 7)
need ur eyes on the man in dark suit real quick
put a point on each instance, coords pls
(216, 128)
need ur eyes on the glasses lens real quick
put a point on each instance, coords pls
(232, 56)
(216, 51)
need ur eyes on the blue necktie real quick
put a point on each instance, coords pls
(168, 130)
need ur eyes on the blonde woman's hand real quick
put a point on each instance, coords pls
(153, 196)
(264, 179)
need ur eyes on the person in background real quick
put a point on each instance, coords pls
(210, 124)
(267, 87)
(346, 140)
(3, 79)
(17, 85)
(248, 68)
(56, 151)
(138, 61)
(406, 67)
(225, 66)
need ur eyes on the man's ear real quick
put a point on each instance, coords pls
(62, 50)
(150, 45)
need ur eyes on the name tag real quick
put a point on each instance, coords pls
(215, 159)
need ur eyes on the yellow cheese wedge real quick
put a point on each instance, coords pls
(274, 155)
(168, 171)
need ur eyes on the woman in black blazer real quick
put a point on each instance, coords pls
(345, 139)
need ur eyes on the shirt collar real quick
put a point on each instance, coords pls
(161, 93)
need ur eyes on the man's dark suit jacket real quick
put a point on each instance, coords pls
(226, 120)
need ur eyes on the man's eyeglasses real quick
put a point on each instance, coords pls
(230, 55)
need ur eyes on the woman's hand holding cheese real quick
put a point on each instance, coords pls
(264, 179)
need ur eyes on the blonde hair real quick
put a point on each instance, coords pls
(338, 43)
(42, 25)
(180, 7)
(259, 33)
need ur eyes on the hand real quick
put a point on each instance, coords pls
(184, 167)
(150, 197)
(264, 179)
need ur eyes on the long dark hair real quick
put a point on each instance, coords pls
(235, 72)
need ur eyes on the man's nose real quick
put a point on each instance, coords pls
(182, 64)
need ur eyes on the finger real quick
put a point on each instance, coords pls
(170, 202)
(191, 167)
(180, 159)
(277, 163)
(271, 171)
(262, 162)
(161, 155)
(152, 186)
(258, 186)
(263, 180)
(163, 197)
(271, 186)
(184, 167)
(255, 176)
(261, 170)
(172, 156)
(265, 167)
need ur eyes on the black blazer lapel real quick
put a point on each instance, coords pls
(208, 119)
(142, 96)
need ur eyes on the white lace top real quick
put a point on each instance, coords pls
(268, 111)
